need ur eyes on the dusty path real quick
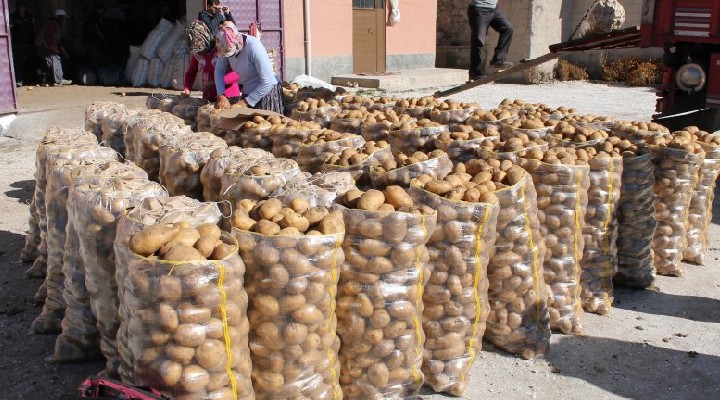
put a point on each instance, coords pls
(658, 344)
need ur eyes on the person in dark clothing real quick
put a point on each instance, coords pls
(22, 37)
(484, 14)
(94, 37)
(53, 49)
(214, 15)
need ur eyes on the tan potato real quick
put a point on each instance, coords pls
(151, 239)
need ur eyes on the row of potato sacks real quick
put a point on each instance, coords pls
(458, 244)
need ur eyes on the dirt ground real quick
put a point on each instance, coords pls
(654, 344)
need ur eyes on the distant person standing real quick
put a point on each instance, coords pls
(214, 15)
(484, 14)
(22, 37)
(52, 48)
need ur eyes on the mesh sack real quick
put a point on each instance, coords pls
(292, 282)
(149, 134)
(161, 101)
(222, 159)
(60, 178)
(30, 250)
(347, 125)
(96, 112)
(408, 141)
(676, 174)
(114, 127)
(700, 213)
(562, 198)
(437, 168)
(447, 117)
(199, 309)
(379, 303)
(207, 117)
(455, 299)
(464, 150)
(320, 190)
(90, 290)
(361, 171)
(288, 141)
(320, 115)
(414, 112)
(187, 110)
(152, 210)
(519, 321)
(257, 138)
(377, 131)
(132, 126)
(599, 262)
(509, 131)
(311, 157)
(636, 223)
(181, 160)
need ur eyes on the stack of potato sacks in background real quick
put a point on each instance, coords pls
(377, 262)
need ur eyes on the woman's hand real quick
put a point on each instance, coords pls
(222, 102)
(185, 93)
(242, 103)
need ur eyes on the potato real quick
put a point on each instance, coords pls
(183, 253)
(371, 200)
(205, 245)
(151, 239)
(222, 251)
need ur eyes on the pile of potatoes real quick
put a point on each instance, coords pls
(379, 299)
(151, 211)
(319, 190)
(578, 134)
(182, 159)
(377, 125)
(187, 109)
(187, 319)
(379, 103)
(561, 177)
(151, 134)
(287, 140)
(463, 142)
(208, 117)
(359, 161)
(138, 123)
(113, 129)
(677, 162)
(480, 119)
(320, 146)
(638, 131)
(222, 160)
(96, 113)
(403, 168)
(315, 110)
(589, 119)
(293, 256)
(96, 209)
(536, 110)
(354, 102)
(257, 133)
(409, 137)
(416, 107)
(452, 112)
(702, 136)
(349, 121)
(60, 179)
(532, 127)
(455, 297)
(513, 148)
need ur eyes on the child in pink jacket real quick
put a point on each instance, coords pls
(203, 60)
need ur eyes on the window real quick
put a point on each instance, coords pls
(368, 4)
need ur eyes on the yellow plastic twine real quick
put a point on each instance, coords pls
(606, 245)
(578, 232)
(226, 334)
(536, 272)
(418, 303)
(337, 391)
(476, 295)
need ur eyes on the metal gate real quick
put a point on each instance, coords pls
(8, 99)
(270, 15)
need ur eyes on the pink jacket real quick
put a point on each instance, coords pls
(206, 64)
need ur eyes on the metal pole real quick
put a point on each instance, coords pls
(308, 41)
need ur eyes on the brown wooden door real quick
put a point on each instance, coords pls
(368, 36)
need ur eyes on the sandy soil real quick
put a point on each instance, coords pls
(659, 343)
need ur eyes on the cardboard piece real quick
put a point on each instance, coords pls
(233, 117)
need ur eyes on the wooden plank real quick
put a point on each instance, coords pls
(504, 73)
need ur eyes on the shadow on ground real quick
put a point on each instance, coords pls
(655, 302)
(23, 190)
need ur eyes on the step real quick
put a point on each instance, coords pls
(404, 80)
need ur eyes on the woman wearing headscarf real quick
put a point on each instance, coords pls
(247, 56)
(204, 56)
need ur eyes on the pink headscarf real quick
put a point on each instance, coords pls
(228, 40)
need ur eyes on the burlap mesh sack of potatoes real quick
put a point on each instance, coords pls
(636, 222)
(135, 124)
(410, 137)
(182, 159)
(222, 160)
(208, 117)
(292, 274)
(187, 109)
(161, 101)
(455, 298)
(578, 134)
(700, 212)
(403, 169)
(314, 110)
(54, 141)
(258, 133)
(30, 250)
(152, 133)
(676, 163)
(359, 161)
(561, 182)
(318, 148)
(113, 130)
(288, 140)
(416, 107)
(96, 112)
(452, 112)
(319, 190)
(152, 211)
(187, 312)
(519, 322)
(379, 300)
(60, 179)
(90, 288)
(483, 119)
(377, 126)
(534, 130)
(349, 121)
(463, 142)
(599, 261)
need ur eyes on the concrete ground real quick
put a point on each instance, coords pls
(654, 344)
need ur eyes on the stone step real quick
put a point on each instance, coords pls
(404, 80)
